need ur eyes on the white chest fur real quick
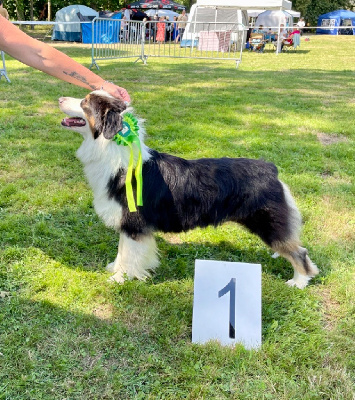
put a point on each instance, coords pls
(102, 162)
(108, 209)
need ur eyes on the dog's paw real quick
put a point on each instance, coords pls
(111, 267)
(117, 277)
(301, 282)
(275, 255)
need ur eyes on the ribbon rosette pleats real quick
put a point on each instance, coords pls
(129, 136)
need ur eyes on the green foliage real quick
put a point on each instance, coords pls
(317, 8)
(66, 333)
(21, 8)
(301, 6)
(312, 9)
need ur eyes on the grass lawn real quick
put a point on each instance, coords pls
(66, 333)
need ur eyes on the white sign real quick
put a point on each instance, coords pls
(227, 303)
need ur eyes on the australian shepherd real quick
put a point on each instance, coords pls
(178, 194)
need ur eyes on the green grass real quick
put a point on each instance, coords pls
(65, 333)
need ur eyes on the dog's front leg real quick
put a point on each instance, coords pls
(135, 258)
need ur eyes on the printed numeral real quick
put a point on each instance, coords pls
(230, 287)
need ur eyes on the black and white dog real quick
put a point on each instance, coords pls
(179, 194)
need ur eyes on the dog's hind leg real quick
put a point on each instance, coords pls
(289, 247)
(135, 258)
(279, 225)
(304, 268)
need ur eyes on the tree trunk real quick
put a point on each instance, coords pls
(31, 14)
(19, 10)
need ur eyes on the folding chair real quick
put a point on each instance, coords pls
(296, 42)
(257, 42)
(3, 69)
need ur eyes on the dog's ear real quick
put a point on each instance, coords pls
(111, 121)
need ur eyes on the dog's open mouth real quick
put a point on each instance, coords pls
(73, 121)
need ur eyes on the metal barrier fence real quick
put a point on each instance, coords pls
(3, 72)
(141, 40)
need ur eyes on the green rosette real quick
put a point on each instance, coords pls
(129, 136)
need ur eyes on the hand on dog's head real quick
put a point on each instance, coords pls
(104, 114)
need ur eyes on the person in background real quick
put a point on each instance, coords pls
(168, 29)
(257, 43)
(161, 30)
(283, 32)
(46, 58)
(3, 10)
(283, 36)
(175, 28)
(288, 41)
(147, 34)
(155, 27)
(182, 21)
(259, 30)
(127, 14)
(301, 24)
(126, 29)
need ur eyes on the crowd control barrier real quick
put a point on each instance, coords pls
(141, 40)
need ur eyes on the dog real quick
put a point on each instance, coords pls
(178, 194)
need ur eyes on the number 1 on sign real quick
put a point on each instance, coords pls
(230, 287)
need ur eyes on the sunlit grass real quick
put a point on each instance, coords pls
(66, 333)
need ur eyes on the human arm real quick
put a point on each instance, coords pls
(4, 12)
(41, 56)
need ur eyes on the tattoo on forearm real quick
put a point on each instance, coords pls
(80, 78)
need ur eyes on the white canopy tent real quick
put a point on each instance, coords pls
(247, 4)
(295, 14)
(231, 11)
(255, 13)
(162, 13)
(274, 18)
(218, 15)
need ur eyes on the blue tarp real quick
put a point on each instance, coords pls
(66, 36)
(105, 31)
(336, 19)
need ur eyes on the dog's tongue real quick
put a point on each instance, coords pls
(73, 122)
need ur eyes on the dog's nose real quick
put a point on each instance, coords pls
(61, 100)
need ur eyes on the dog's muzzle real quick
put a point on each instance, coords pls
(73, 121)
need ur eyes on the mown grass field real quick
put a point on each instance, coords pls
(66, 333)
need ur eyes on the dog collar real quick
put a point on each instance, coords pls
(128, 136)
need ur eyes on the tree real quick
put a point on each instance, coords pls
(312, 9)
(301, 6)
(317, 8)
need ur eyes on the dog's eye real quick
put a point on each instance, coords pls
(83, 102)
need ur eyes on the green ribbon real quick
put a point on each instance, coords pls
(128, 136)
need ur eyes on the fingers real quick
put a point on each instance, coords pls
(124, 94)
(116, 91)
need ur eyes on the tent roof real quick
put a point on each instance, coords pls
(169, 13)
(247, 4)
(338, 13)
(255, 13)
(273, 18)
(84, 10)
(164, 4)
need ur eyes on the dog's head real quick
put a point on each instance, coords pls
(97, 114)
